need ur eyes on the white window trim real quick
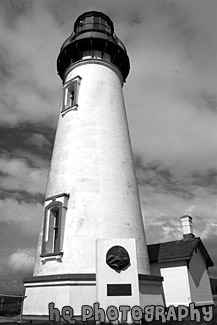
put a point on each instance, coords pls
(75, 84)
(59, 201)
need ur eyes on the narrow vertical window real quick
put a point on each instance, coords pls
(69, 98)
(56, 231)
(72, 97)
(70, 94)
(54, 225)
(52, 231)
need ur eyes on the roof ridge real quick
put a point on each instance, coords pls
(174, 241)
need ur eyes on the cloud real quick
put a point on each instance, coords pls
(165, 228)
(22, 261)
(32, 157)
(17, 174)
(13, 267)
(167, 194)
(26, 216)
(20, 225)
(38, 140)
(29, 84)
(171, 90)
(210, 244)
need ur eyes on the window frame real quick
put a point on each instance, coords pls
(49, 247)
(71, 86)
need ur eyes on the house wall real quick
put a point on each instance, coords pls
(151, 293)
(199, 280)
(176, 283)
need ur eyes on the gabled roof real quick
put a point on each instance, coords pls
(177, 250)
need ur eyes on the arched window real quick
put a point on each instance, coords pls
(52, 229)
(54, 225)
(55, 231)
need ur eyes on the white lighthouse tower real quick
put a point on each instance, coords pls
(92, 244)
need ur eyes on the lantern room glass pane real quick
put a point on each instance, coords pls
(96, 22)
(103, 25)
(88, 23)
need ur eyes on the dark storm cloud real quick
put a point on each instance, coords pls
(23, 138)
(210, 101)
(210, 244)
(168, 179)
(20, 195)
(19, 175)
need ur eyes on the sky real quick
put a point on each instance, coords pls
(171, 103)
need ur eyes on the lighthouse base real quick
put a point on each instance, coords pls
(78, 290)
(116, 283)
(72, 290)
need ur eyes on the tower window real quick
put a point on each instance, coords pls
(56, 230)
(52, 230)
(54, 225)
(70, 95)
(69, 98)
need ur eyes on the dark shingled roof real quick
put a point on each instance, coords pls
(177, 250)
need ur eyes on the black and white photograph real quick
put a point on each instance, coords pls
(108, 161)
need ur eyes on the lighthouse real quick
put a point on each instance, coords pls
(92, 245)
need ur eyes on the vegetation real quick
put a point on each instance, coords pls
(10, 306)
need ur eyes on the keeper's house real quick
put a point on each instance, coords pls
(184, 266)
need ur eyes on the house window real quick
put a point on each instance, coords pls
(70, 94)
